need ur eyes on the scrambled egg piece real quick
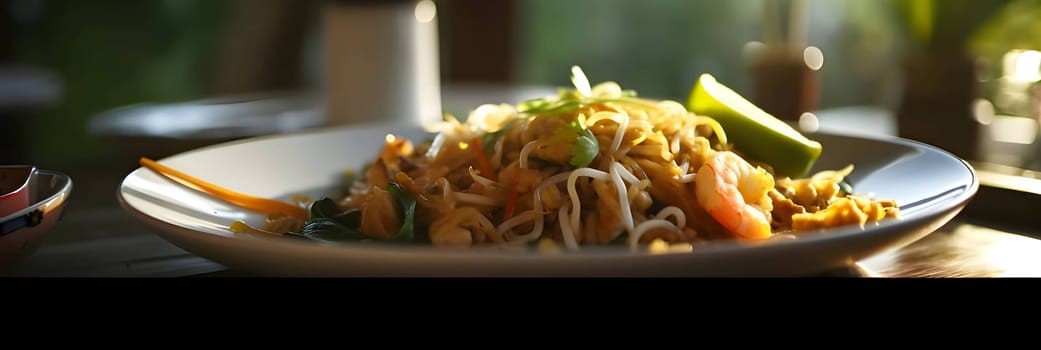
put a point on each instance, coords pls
(844, 211)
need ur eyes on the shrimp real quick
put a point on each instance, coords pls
(736, 194)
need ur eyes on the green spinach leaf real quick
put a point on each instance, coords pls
(328, 224)
(407, 231)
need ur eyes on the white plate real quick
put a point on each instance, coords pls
(930, 185)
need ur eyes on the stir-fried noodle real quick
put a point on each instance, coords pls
(595, 165)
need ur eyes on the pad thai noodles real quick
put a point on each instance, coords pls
(595, 165)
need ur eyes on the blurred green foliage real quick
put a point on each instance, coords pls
(944, 25)
(1017, 25)
(659, 47)
(110, 54)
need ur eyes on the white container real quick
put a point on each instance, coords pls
(381, 62)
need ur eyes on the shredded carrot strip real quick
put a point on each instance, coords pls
(263, 205)
(482, 160)
(511, 203)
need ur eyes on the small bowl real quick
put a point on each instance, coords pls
(22, 231)
(14, 188)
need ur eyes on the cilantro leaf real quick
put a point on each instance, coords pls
(586, 146)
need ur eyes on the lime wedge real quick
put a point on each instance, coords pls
(752, 131)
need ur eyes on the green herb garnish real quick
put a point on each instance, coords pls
(586, 146)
